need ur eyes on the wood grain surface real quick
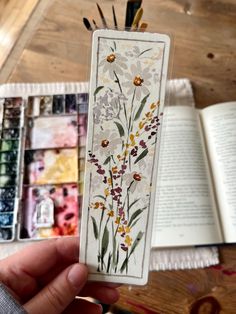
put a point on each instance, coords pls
(51, 44)
(12, 21)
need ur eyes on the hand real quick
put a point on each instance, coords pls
(45, 278)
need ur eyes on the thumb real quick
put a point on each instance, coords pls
(60, 292)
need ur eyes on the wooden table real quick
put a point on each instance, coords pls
(46, 41)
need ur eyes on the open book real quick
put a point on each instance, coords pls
(196, 191)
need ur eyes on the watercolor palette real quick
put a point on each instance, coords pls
(42, 159)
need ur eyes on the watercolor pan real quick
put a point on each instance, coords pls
(6, 219)
(6, 206)
(59, 219)
(6, 234)
(49, 132)
(8, 134)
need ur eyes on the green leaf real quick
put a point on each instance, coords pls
(97, 90)
(134, 216)
(117, 258)
(95, 228)
(134, 202)
(124, 265)
(142, 155)
(136, 242)
(144, 51)
(109, 262)
(140, 109)
(134, 223)
(120, 128)
(105, 241)
(114, 246)
(107, 160)
(101, 196)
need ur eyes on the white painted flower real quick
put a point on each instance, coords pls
(137, 80)
(106, 142)
(135, 181)
(113, 63)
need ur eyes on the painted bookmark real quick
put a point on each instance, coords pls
(127, 90)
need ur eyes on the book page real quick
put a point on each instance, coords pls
(185, 212)
(220, 132)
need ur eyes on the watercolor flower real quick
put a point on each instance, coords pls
(117, 221)
(107, 107)
(106, 142)
(121, 229)
(138, 80)
(113, 63)
(135, 181)
(110, 213)
(98, 205)
(128, 240)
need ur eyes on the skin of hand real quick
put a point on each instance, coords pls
(46, 278)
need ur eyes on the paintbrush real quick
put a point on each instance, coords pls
(102, 16)
(94, 23)
(131, 9)
(137, 19)
(114, 17)
(87, 24)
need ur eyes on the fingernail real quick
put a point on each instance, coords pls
(77, 275)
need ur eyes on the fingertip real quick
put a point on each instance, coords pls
(114, 295)
(78, 275)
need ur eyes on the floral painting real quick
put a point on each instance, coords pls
(122, 153)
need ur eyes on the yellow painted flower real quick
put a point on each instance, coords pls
(114, 169)
(119, 157)
(131, 137)
(153, 106)
(106, 192)
(127, 229)
(148, 114)
(111, 213)
(128, 240)
(117, 221)
(109, 180)
(126, 152)
(141, 124)
(121, 229)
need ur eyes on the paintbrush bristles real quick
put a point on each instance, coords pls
(143, 27)
(102, 16)
(132, 6)
(87, 24)
(137, 18)
(114, 17)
